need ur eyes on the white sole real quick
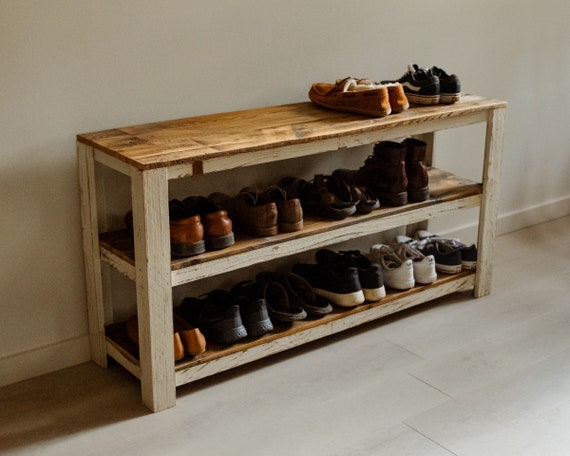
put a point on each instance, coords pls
(343, 300)
(374, 294)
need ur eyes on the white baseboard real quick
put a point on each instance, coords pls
(42, 360)
(533, 215)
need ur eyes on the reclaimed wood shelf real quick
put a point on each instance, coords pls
(152, 154)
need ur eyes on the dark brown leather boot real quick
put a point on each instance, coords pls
(416, 170)
(385, 173)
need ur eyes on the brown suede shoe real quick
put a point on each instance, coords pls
(218, 227)
(253, 215)
(360, 96)
(385, 173)
(416, 170)
(186, 339)
(289, 210)
(398, 99)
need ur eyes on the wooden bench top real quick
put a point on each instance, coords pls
(193, 139)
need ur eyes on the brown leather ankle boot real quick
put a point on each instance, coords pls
(416, 170)
(385, 173)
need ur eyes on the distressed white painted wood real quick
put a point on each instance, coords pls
(490, 203)
(154, 288)
(92, 261)
(136, 151)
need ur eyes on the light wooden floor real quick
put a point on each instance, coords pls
(456, 377)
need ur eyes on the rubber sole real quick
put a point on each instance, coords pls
(393, 199)
(182, 250)
(220, 242)
(342, 299)
(423, 99)
(417, 195)
(374, 294)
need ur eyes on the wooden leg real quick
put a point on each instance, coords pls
(92, 258)
(490, 201)
(153, 284)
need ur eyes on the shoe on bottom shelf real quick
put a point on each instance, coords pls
(300, 292)
(398, 272)
(468, 253)
(424, 265)
(217, 315)
(369, 274)
(187, 339)
(273, 297)
(336, 283)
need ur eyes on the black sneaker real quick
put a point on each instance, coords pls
(369, 274)
(217, 315)
(421, 86)
(449, 85)
(468, 253)
(253, 309)
(300, 292)
(335, 282)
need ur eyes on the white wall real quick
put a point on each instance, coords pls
(72, 66)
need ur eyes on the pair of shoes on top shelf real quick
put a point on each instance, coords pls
(345, 278)
(188, 340)
(396, 172)
(429, 86)
(263, 213)
(360, 96)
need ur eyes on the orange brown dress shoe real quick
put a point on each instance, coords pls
(218, 227)
(186, 231)
(187, 339)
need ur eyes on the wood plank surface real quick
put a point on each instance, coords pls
(196, 139)
(444, 187)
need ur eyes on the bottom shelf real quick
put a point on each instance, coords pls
(285, 336)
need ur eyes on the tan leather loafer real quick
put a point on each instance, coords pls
(352, 95)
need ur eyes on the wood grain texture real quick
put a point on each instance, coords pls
(196, 139)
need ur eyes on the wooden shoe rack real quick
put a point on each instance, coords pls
(153, 154)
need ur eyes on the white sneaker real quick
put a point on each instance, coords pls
(424, 265)
(398, 272)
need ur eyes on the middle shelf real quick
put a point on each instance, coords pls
(448, 192)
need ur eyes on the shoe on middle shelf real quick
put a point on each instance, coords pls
(249, 211)
(186, 231)
(325, 196)
(398, 272)
(384, 172)
(289, 209)
(218, 227)
(369, 274)
(416, 170)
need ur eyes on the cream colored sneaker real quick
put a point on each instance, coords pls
(398, 272)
